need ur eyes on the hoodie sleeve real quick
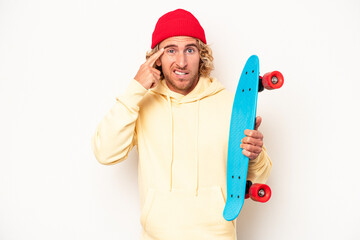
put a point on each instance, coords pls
(115, 135)
(259, 168)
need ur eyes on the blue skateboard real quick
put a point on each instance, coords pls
(243, 117)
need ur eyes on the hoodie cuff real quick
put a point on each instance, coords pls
(259, 168)
(132, 95)
(259, 160)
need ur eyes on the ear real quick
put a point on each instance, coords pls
(158, 62)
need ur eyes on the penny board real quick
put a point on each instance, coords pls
(242, 117)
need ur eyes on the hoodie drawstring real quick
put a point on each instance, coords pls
(171, 141)
(197, 146)
(206, 87)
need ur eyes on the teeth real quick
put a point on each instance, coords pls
(179, 73)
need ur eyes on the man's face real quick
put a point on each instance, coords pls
(180, 63)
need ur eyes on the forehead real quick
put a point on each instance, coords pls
(178, 41)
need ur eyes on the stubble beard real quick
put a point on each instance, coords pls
(182, 88)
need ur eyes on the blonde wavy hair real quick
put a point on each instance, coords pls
(206, 59)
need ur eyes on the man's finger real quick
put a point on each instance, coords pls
(155, 71)
(252, 141)
(156, 77)
(251, 148)
(254, 134)
(156, 81)
(250, 155)
(154, 57)
(257, 122)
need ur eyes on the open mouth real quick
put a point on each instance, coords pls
(180, 73)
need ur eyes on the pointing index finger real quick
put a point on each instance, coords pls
(155, 56)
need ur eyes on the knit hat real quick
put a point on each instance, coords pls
(177, 23)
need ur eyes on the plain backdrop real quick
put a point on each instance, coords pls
(62, 63)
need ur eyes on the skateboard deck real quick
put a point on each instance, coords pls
(242, 117)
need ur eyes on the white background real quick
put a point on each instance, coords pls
(62, 63)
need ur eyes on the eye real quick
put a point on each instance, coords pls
(190, 50)
(171, 51)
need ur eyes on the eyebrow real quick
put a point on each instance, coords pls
(188, 45)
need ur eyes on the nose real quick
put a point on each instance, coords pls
(181, 60)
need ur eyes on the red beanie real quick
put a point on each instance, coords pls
(177, 23)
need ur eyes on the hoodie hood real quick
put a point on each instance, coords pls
(206, 87)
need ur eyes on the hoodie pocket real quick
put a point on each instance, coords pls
(180, 214)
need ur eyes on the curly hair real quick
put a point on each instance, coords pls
(206, 59)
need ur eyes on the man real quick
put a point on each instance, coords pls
(179, 119)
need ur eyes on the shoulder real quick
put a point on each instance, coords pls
(228, 94)
(225, 95)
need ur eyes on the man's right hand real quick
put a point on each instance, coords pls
(147, 75)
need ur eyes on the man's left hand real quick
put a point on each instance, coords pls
(253, 142)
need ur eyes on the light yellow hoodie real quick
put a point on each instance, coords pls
(182, 143)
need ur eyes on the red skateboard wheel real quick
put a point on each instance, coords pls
(260, 192)
(273, 80)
